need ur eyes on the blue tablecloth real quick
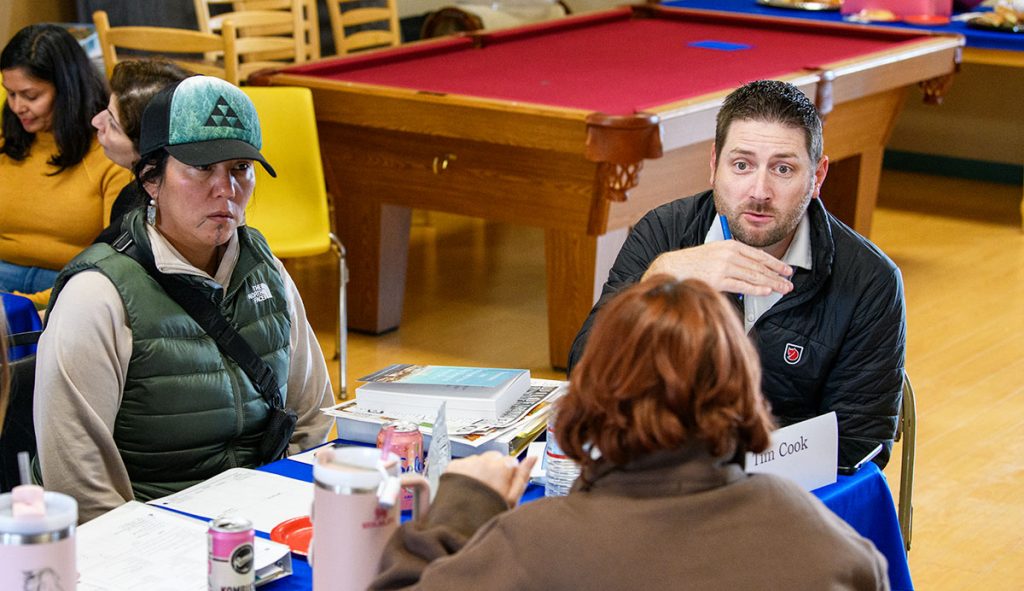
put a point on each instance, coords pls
(862, 500)
(974, 37)
(21, 317)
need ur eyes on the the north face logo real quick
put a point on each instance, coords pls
(793, 353)
(260, 293)
(223, 115)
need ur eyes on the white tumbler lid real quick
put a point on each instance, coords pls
(352, 467)
(61, 513)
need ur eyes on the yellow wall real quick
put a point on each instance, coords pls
(15, 14)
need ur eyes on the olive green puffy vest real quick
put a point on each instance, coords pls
(189, 413)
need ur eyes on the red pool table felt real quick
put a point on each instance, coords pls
(612, 64)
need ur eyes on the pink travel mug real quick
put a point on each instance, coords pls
(37, 551)
(350, 523)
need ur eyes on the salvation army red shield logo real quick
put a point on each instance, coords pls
(793, 353)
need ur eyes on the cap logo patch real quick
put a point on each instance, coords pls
(223, 115)
(793, 353)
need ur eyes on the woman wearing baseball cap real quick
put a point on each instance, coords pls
(141, 400)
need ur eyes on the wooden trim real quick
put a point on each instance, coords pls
(994, 57)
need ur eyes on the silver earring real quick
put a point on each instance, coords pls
(151, 212)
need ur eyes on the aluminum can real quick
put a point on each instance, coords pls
(232, 557)
(407, 443)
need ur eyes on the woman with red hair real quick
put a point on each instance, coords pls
(662, 406)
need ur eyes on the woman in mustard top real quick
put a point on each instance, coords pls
(56, 185)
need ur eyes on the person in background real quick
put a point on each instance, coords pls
(132, 84)
(661, 408)
(823, 305)
(58, 187)
(139, 401)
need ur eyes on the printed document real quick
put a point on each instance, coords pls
(136, 546)
(263, 498)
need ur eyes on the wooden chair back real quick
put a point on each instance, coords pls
(310, 20)
(346, 15)
(266, 38)
(181, 46)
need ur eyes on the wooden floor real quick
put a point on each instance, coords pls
(475, 296)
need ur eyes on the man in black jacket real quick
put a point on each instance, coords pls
(823, 305)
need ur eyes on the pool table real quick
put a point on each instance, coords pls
(580, 126)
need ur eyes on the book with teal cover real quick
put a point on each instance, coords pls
(443, 375)
(471, 392)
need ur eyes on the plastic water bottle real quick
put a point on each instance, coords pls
(560, 471)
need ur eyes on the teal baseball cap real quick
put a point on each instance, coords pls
(203, 120)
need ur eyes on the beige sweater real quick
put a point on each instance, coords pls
(80, 374)
(675, 520)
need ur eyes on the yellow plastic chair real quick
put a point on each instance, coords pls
(292, 210)
(906, 430)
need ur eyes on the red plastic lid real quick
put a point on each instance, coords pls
(926, 19)
(296, 533)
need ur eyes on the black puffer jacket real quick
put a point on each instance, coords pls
(847, 314)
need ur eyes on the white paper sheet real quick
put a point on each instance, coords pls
(140, 547)
(263, 498)
(805, 452)
(440, 453)
(309, 456)
(536, 450)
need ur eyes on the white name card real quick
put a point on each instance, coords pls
(804, 452)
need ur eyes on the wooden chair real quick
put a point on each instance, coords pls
(293, 211)
(169, 43)
(352, 13)
(309, 15)
(266, 38)
(906, 430)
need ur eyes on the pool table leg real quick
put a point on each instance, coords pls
(376, 236)
(577, 267)
(850, 190)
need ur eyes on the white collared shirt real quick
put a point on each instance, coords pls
(169, 261)
(797, 255)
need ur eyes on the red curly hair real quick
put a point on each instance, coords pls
(667, 363)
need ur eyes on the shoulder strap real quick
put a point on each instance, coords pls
(208, 316)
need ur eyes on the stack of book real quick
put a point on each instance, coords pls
(479, 417)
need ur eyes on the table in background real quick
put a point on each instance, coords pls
(863, 500)
(991, 48)
(548, 125)
(21, 317)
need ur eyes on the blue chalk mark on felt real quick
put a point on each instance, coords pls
(719, 45)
